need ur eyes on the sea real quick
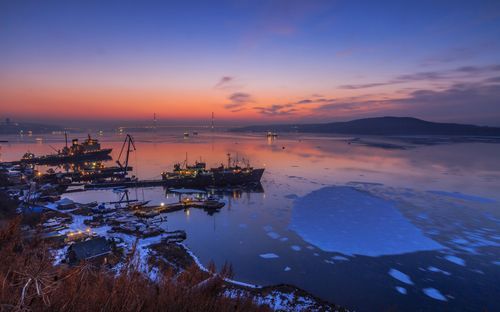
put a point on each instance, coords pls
(368, 223)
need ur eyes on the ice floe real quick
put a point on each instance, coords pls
(346, 220)
(455, 260)
(269, 255)
(434, 294)
(434, 269)
(401, 290)
(461, 196)
(296, 248)
(287, 269)
(400, 276)
(273, 235)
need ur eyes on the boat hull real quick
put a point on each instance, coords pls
(102, 154)
(218, 178)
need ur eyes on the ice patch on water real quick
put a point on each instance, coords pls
(284, 239)
(287, 269)
(434, 294)
(496, 262)
(296, 248)
(461, 196)
(400, 276)
(292, 196)
(243, 225)
(273, 235)
(267, 228)
(329, 261)
(434, 269)
(455, 260)
(340, 258)
(401, 290)
(349, 221)
(269, 256)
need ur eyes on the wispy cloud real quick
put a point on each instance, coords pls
(238, 101)
(223, 82)
(276, 110)
(465, 72)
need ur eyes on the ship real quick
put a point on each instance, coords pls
(198, 175)
(90, 149)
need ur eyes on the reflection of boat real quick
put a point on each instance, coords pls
(186, 134)
(199, 176)
(90, 149)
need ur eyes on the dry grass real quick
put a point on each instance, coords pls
(30, 282)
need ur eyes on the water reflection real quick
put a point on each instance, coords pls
(429, 215)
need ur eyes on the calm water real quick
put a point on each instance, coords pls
(365, 227)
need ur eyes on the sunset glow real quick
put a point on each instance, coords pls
(249, 61)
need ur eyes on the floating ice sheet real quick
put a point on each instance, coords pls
(455, 260)
(401, 290)
(269, 256)
(346, 220)
(461, 196)
(400, 276)
(434, 294)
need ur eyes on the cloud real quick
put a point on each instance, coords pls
(223, 82)
(475, 102)
(465, 72)
(276, 110)
(238, 101)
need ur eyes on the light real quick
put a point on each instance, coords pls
(187, 212)
(162, 204)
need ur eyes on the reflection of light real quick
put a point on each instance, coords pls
(187, 212)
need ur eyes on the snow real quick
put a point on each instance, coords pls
(296, 248)
(434, 294)
(401, 290)
(269, 256)
(345, 220)
(455, 260)
(400, 276)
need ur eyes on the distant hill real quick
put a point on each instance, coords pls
(380, 126)
(17, 127)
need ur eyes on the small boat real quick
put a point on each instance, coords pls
(186, 134)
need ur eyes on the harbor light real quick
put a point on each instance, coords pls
(162, 204)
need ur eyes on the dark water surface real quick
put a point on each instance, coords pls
(363, 226)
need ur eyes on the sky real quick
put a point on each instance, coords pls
(249, 61)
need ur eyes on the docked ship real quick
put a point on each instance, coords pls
(198, 175)
(90, 149)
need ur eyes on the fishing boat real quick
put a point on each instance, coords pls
(90, 149)
(198, 175)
